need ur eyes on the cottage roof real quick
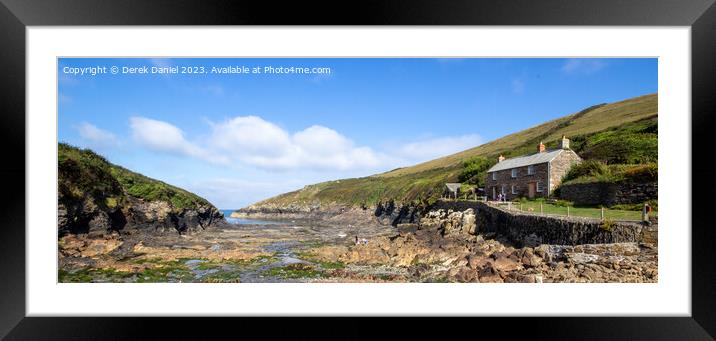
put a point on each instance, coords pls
(453, 186)
(526, 160)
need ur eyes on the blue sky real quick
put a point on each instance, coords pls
(242, 137)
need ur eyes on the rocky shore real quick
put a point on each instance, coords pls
(443, 246)
(444, 250)
(277, 252)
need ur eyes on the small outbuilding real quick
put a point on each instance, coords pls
(452, 189)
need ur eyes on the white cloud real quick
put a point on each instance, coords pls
(254, 142)
(257, 142)
(165, 137)
(429, 149)
(320, 140)
(250, 134)
(97, 137)
(583, 65)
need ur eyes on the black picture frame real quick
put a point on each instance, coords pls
(16, 15)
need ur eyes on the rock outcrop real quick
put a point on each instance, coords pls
(390, 213)
(451, 222)
(87, 217)
(312, 211)
(384, 213)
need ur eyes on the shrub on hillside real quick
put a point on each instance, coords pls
(588, 168)
(639, 148)
(633, 143)
(474, 170)
(596, 171)
(642, 173)
(467, 188)
(84, 173)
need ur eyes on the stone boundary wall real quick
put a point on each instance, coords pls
(602, 193)
(526, 229)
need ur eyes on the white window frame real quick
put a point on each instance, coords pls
(502, 189)
(513, 189)
(530, 170)
(494, 176)
(514, 173)
(538, 188)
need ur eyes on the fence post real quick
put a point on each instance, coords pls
(541, 210)
(602, 212)
(568, 210)
(509, 205)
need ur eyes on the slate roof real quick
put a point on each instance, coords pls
(453, 186)
(526, 160)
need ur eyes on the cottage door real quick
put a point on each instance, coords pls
(531, 189)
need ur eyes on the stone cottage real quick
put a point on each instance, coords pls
(530, 176)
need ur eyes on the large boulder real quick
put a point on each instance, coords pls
(469, 225)
(452, 223)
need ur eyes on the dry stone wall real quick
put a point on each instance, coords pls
(524, 229)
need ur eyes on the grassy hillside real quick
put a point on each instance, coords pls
(596, 132)
(82, 173)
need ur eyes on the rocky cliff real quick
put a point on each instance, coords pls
(96, 197)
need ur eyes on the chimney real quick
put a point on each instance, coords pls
(541, 147)
(564, 144)
(500, 159)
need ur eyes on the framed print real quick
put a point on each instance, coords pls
(420, 159)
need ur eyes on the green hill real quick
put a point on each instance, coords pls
(598, 132)
(83, 172)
